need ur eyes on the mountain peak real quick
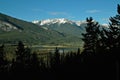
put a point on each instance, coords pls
(53, 21)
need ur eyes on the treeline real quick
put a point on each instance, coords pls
(99, 60)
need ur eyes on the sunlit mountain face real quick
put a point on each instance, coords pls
(13, 30)
(49, 31)
(75, 28)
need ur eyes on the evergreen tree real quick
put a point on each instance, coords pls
(112, 35)
(55, 59)
(2, 57)
(57, 56)
(78, 51)
(35, 64)
(2, 53)
(23, 56)
(27, 58)
(20, 52)
(91, 36)
(111, 39)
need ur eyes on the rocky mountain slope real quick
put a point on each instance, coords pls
(13, 30)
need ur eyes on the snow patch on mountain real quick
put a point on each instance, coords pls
(45, 28)
(7, 26)
(53, 21)
(36, 21)
(78, 23)
(105, 25)
(62, 21)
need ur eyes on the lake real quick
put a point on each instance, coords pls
(46, 48)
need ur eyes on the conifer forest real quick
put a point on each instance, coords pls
(99, 59)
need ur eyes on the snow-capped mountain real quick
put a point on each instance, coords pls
(61, 21)
(63, 26)
(50, 31)
(58, 21)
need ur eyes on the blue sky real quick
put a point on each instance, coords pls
(31, 10)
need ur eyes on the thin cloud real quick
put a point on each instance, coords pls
(58, 13)
(93, 11)
(37, 10)
(65, 14)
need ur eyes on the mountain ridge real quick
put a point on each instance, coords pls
(57, 20)
(30, 33)
(62, 25)
(54, 32)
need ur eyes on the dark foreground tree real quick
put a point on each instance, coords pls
(2, 54)
(112, 39)
(2, 58)
(20, 52)
(55, 59)
(91, 36)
